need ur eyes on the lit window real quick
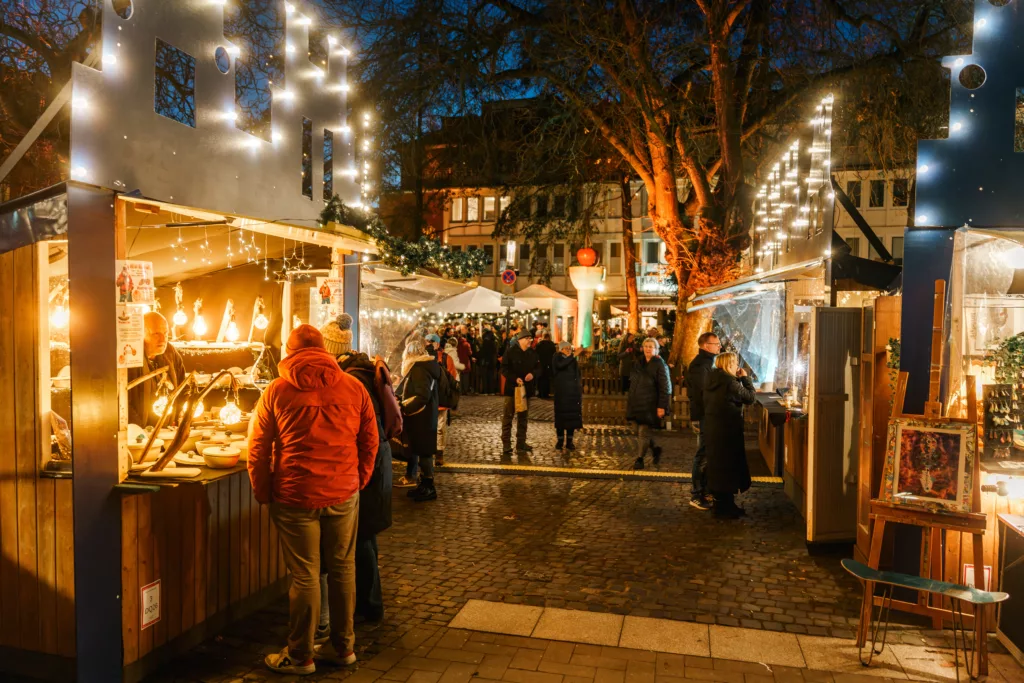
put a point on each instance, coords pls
(472, 209)
(897, 250)
(458, 212)
(853, 192)
(503, 203)
(489, 203)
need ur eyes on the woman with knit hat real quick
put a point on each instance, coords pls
(338, 335)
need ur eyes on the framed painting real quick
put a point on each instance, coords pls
(930, 465)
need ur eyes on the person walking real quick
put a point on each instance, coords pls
(489, 361)
(726, 391)
(418, 393)
(313, 443)
(465, 356)
(519, 367)
(696, 375)
(650, 400)
(568, 387)
(545, 352)
(627, 358)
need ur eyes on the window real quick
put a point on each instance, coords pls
(328, 165)
(175, 89)
(489, 204)
(616, 250)
(877, 198)
(651, 253)
(897, 250)
(455, 247)
(615, 258)
(872, 254)
(458, 210)
(503, 204)
(489, 251)
(853, 192)
(558, 262)
(638, 255)
(854, 243)
(540, 208)
(559, 251)
(307, 158)
(641, 198)
(900, 192)
(472, 209)
(558, 209)
(524, 253)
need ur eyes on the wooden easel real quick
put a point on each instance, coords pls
(932, 524)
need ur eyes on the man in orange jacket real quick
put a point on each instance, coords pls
(312, 445)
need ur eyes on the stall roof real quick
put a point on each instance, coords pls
(34, 217)
(541, 296)
(729, 291)
(476, 300)
(408, 292)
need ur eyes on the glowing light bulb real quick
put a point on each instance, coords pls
(232, 332)
(198, 411)
(59, 318)
(923, 168)
(289, 7)
(234, 51)
(109, 59)
(345, 87)
(922, 219)
(956, 126)
(980, 23)
(160, 405)
(179, 318)
(959, 61)
(80, 102)
(276, 136)
(332, 41)
(79, 172)
(230, 414)
(199, 326)
(289, 48)
(261, 322)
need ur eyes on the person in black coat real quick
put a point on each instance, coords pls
(696, 375)
(567, 384)
(726, 391)
(649, 401)
(520, 367)
(489, 361)
(545, 352)
(419, 400)
(627, 359)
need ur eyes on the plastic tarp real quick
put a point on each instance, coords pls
(753, 325)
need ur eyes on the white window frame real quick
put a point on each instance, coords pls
(472, 209)
(493, 203)
(458, 210)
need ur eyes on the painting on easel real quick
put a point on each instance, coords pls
(930, 464)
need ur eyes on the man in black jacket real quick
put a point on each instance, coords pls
(489, 360)
(545, 352)
(696, 376)
(520, 367)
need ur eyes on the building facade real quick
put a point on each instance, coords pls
(883, 200)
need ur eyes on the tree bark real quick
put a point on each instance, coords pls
(629, 258)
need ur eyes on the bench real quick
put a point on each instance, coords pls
(957, 595)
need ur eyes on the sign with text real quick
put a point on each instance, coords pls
(969, 576)
(134, 280)
(131, 332)
(150, 604)
(507, 301)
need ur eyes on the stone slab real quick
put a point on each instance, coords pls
(579, 626)
(665, 635)
(497, 617)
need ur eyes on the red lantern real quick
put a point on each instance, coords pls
(586, 257)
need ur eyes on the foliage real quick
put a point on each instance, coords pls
(892, 349)
(403, 255)
(1009, 359)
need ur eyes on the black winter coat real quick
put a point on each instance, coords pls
(568, 389)
(722, 428)
(696, 376)
(517, 364)
(419, 407)
(650, 388)
(489, 348)
(546, 350)
(627, 357)
(375, 498)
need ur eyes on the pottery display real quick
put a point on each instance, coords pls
(221, 457)
(136, 448)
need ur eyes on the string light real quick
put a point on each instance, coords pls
(231, 334)
(60, 317)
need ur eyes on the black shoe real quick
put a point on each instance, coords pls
(412, 493)
(427, 493)
(570, 446)
(558, 445)
(322, 634)
(638, 464)
(524, 448)
(657, 455)
(728, 513)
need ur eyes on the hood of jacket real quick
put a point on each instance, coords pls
(356, 361)
(717, 379)
(310, 369)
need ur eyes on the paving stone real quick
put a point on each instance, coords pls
(521, 676)
(424, 677)
(578, 626)
(609, 676)
(397, 674)
(576, 670)
(663, 635)
(458, 672)
(559, 653)
(526, 659)
(749, 645)
(842, 656)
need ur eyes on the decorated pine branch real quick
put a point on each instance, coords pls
(406, 256)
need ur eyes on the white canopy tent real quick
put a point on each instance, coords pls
(475, 301)
(560, 306)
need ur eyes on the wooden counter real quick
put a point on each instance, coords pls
(215, 553)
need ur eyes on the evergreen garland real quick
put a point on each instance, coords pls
(404, 256)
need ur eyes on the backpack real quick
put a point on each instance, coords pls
(391, 412)
(447, 388)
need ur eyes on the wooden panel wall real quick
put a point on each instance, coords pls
(210, 546)
(37, 601)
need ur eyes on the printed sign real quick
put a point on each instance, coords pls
(969, 576)
(327, 300)
(150, 604)
(507, 301)
(131, 332)
(508, 277)
(134, 282)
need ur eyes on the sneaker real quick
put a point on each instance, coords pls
(700, 503)
(327, 653)
(322, 635)
(405, 483)
(283, 663)
(638, 464)
(656, 457)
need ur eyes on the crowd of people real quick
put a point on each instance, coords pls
(323, 435)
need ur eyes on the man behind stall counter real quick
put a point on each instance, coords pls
(157, 353)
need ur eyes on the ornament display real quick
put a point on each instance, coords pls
(199, 324)
(179, 318)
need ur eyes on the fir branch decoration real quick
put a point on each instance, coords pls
(404, 256)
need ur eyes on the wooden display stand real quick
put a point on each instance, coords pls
(932, 523)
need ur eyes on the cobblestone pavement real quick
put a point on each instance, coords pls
(602, 545)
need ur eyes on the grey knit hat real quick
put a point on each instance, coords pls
(338, 335)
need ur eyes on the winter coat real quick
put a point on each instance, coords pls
(465, 354)
(517, 364)
(546, 350)
(420, 407)
(568, 389)
(453, 363)
(375, 498)
(141, 397)
(627, 357)
(650, 388)
(696, 375)
(722, 428)
(489, 348)
(313, 438)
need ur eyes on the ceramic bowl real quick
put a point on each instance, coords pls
(201, 446)
(136, 450)
(167, 434)
(221, 457)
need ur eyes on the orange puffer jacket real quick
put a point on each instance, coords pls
(313, 435)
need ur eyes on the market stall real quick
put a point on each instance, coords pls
(561, 309)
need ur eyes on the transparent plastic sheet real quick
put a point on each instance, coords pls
(753, 325)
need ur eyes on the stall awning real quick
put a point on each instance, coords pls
(745, 287)
(541, 296)
(36, 217)
(476, 300)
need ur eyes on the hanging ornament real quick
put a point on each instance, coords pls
(260, 321)
(199, 324)
(179, 318)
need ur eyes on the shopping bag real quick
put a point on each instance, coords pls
(521, 404)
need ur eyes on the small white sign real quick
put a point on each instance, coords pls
(507, 301)
(150, 604)
(969, 576)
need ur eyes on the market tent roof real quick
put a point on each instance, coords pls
(421, 289)
(476, 300)
(542, 296)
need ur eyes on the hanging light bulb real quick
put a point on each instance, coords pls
(230, 414)
(197, 412)
(199, 326)
(231, 334)
(160, 405)
(179, 318)
(60, 316)
(261, 322)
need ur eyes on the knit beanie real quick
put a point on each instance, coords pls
(304, 337)
(338, 335)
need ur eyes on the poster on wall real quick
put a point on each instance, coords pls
(326, 301)
(130, 337)
(134, 282)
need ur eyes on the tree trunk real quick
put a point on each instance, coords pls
(629, 258)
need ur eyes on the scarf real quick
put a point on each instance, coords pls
(409, 361)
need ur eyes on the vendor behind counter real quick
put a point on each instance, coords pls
(158, 353)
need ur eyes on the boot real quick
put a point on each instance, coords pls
(428, 492)
(558, 444)
(420, 485)
(656, 457)
(569, 445)
(639, 463)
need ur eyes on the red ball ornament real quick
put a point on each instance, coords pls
(586, 256)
